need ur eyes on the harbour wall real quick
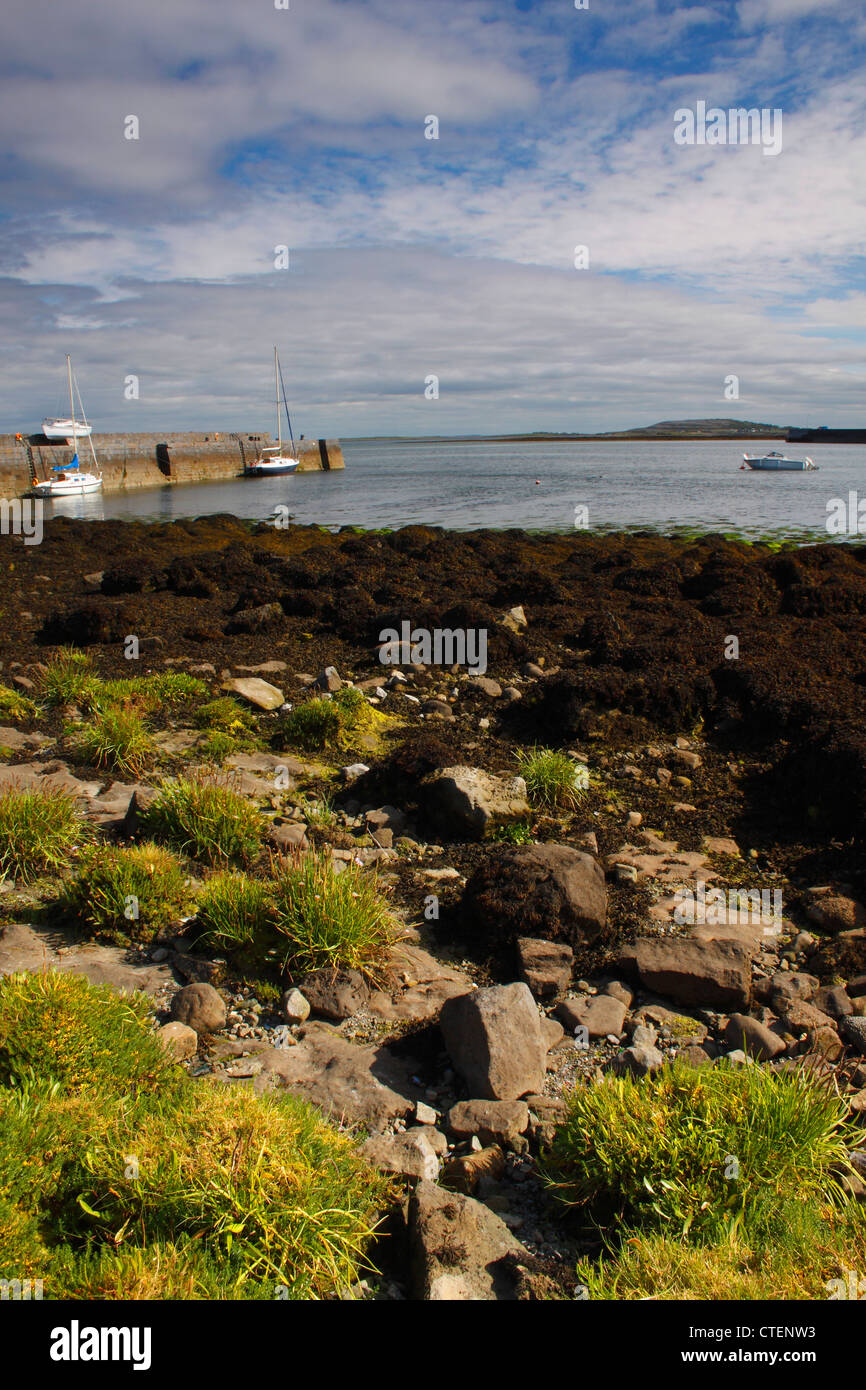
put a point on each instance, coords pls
(152, 460)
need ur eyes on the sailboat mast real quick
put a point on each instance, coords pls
(288, 416)
(71, 405)
(88, 434)
(277, 397)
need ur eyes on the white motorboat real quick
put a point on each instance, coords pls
(774, 462)
(65, 429)
(272, 461)
(69, 479)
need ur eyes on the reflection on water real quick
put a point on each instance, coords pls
(87, 507)
(535, 486)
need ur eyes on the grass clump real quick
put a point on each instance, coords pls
(313, 725)
(305, 917)
(114, 738)
(217, 746)
(713, 1179)
(124, 1179)
(228, 729)
(659, 1151)
(147, 694)
(330, 723)
(225, 715)
(206, 819)
(235, 912)
(553, 781)
(128, 893)
(39, 831)
(15, 706)
(325, 918)
(69, 678)
(318, 812)
(811, 1244)
(67, 1033)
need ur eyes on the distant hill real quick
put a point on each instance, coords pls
(684, 429)
(720, 429)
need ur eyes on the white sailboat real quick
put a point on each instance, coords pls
(69, 480)
(60, 427)
(272, 460)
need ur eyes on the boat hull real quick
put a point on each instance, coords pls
(269, 468)
(66, 487)
(779, 465)
(62, 429)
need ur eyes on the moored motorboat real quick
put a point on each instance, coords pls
(272, 461)
(774, 462)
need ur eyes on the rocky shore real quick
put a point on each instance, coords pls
(699, 898)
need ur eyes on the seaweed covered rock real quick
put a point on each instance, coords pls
(549, 891)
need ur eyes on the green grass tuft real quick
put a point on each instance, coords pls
(700, 1152)
(513, 833)
(312, 726)
(205, 818)
(225, 715)
(15, 706)
(324, 918)
(305, 917)
(114, 738)
(235, 913)
(69, 678)
(67, 1033)
(329, 723)
(39, 832)
(128, 893)
(553, 781)
(147, 694)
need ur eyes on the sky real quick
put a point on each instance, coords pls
(434, 285)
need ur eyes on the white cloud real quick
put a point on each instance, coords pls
(754, 14)
(513, 346)
(409, 257)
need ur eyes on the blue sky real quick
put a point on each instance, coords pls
(413, 257)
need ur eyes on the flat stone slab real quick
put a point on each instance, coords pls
(669, 866)
(366, 1085)
(256, 691)
(15, 739)
(422, 984)
(269, 763)
(24, 947)
(267, 668)
(48, 776)
(727, 923)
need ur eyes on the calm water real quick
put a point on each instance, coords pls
(661, 486)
